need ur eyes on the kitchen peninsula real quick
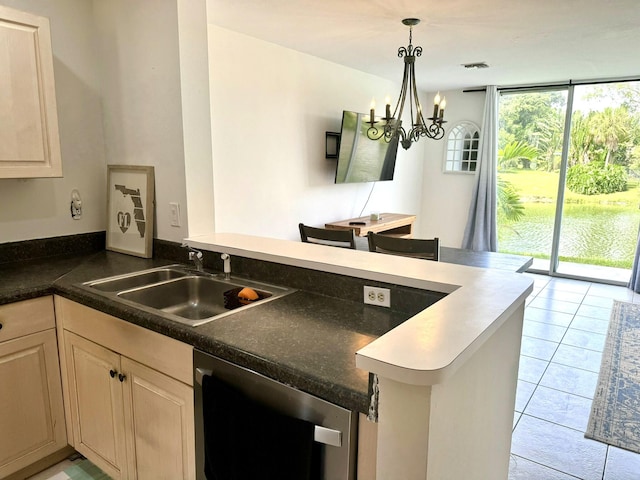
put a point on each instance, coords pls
(447, 376)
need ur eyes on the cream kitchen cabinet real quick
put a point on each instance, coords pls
(127, 417)
(32, 422)
(29, 138)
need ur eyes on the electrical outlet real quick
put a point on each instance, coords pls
(377, 296)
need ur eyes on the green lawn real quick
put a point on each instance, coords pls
(536, 185)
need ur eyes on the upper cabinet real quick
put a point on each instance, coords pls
(29, 140)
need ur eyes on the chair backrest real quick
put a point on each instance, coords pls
(325, 236)
(428, 249)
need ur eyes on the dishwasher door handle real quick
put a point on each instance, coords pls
(327, 436)
(201, 372)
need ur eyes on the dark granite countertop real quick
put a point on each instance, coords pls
(304, 339)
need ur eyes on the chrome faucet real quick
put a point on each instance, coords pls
(226, 258)
(195, 256)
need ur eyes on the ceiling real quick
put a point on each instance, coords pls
(523, 41)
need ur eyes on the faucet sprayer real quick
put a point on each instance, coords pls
(226, 258)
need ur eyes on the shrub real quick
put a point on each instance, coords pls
(594, 179)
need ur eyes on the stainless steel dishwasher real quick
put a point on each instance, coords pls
(335, 427)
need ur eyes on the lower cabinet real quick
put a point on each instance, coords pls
(128, 418)
(158, 410)
(32, 423)
(97, 404)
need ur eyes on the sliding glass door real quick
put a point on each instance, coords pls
(600, 211)
(529, 164)
(568, 170)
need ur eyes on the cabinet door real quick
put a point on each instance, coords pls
(96, 403)
(29, 142)
(31, 411)
(159, 419)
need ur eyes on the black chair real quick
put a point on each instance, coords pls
(325, 236)
(428, 249)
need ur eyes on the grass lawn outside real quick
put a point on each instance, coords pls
(536, 185)
(596, 229)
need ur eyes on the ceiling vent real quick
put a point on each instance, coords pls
(475, 66)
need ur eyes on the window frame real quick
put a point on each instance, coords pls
(463, 131)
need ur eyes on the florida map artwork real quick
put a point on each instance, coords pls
(123, 219)
(130, 209)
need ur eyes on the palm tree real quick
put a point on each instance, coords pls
(581, 139)
(510, 206)
(611, 130)
(515, 152)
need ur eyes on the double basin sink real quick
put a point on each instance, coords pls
(184, 295)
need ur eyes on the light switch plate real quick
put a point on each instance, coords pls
(175, 214)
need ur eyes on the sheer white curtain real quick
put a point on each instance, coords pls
(481, 232)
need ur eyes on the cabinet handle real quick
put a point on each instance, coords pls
(113, 373)
(122, 377)
(0, 326)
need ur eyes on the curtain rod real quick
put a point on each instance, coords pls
(554, 85)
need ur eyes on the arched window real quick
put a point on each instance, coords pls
(462, 148)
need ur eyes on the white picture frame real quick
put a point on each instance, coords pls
(130, 212)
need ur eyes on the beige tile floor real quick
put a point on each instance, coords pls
(564, 331)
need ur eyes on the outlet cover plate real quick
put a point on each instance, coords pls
(377, 296)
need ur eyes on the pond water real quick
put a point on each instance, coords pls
(596, 234)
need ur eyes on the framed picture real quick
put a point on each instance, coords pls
(130, 199)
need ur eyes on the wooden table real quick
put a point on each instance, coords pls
(396, 224)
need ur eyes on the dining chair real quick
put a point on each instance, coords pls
(325, 236)
(428, 249)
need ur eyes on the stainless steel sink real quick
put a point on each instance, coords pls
(183, 295)
(138, 279)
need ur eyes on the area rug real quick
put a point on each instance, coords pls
(85, 470)
(615, 411)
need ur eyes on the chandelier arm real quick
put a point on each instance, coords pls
(435, 131)
(392, 129)
(373, 133)
(397, 112)
(412, 100)
(419, 117)
(401, 133)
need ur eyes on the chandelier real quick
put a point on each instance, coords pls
(393, 123)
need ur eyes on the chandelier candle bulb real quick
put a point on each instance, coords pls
(388, 108)
(442, 105)
(436, 105)
(372, 112)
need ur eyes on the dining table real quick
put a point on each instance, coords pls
(472, 258)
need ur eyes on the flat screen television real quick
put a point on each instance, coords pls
(361, 159)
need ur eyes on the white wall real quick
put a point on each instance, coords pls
(193, 34)
(446, 196)
(40, 208)
(124, 71)
(140, 71)
(271, 107)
